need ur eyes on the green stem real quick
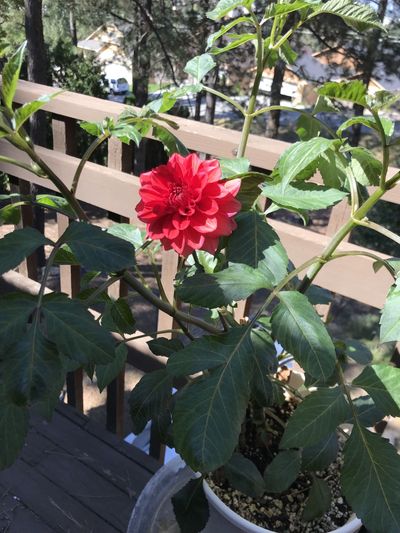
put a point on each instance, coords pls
(380, 229)
(226, 98)
(87, 155)
(366, 254)
(100, 289)
(152, 334)
(10, 161)
(167, 307)
(386, 153)
(46, 273)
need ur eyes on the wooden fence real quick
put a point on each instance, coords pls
(115, 189)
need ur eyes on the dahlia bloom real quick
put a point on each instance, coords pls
(186, 204)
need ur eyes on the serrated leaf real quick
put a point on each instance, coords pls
(249, 190)
(332, 170)
(232, 167)
(365, 167)
(226, 6)
(243, 475)
(165, 347)
(97, 249)
(126, 133)
(358, 351)
(10, 75)
(382, 383)
(149, 397)
(255, 244)
(31, 365)
(127, 232)
(191, 507)
(282, 471)
(300, 155)
(224, 29)
(17, 245)
(265, 349)
(382, 99)
(274, 10)
(357, 16)
(199, 66)
(368, 122)
(209, 412)
(15, 417)
(105, 374)
(368, 414)
(118, 317)
(317, 416)
(234, 283)
(318, 501)
(16, 309)
(371, 480)
(308, 196)
(390, 319)
(299, 329)
(236, 40)
(171, 143)
(75, 332)
(23, 113)
(348, 91)
(287, 53)
(320, 455)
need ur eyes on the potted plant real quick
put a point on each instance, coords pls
(288, 456)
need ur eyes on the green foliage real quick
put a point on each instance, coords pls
(308, 196)
(318, 501)
(382, 383)
(118, 317)
(358, 16)
(390, 320)
(18, 245)
(191, 507)
(199, 66)
(105, 374)
(10, 76)
(243, 475)
(16, 417)
(347, 91)
(282, 471)
(223, 7)
(320, 455)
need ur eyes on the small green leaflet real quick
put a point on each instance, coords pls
(382, 383)
(15, 417)
(224, 7)
(357, 16)
(10, 75)
(320, 455)
(282, 471)
(17, 245)
(236, 40)
(191, 507)
(390, 319)
(199, 66)
(300, 155)
(23, 113)
(282, 9)
(105, 374)
(224, 29)
(318, 501)
(365, 167)
(243, 475)
(309, 196)
(232, 167)
(347, 91)
(368, 122)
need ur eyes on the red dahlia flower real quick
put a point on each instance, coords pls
(187, 205)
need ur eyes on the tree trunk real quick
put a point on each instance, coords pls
(368, 65)
(141, 63)
(38, 72)
(72, 25)
(197, 112)
(211, 99)
(273, 121)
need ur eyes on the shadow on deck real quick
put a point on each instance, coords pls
(73, 476)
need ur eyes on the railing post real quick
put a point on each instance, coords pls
(64, 140)
(120, 157)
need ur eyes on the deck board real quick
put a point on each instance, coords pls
(72, 477)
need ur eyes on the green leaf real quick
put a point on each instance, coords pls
(15, 246)
(243, 475)
(318, 501)
(234, 283)
(249, 189)
(320, 455)
(265, 349)
(12, 441)
(255, 244)
(332, 169)
(16, 309)
(191, 507)
(199, 66)
(93, 128)
(75, 332)
(309, 196)
(371, 480)
(105, 374)
(205, 353)
(365, 167)
(127, 232)
(358, 351)
(382, 383)
(282, 472)
(224, 29)
(232, 167)
(149, 397)
(300, 155)
(236, 41)
(317, 416)
(126, 133)
(299, 329)
(212, 403)
(368, 414)
(172, 144)
(273, 10)
(382, 99)
(390, 319)
(64, 256)
(226, 6)
(31, 365)
(165, 347)
(357, 16)
(287, 53)
(23, 113)
(10, 214)
(10, 75)
(369, 122)
(58, 203)
(97, 249)
(118, 317)
(348, 91)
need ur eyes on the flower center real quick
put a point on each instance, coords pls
(178, 195)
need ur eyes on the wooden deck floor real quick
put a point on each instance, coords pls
(73, 476)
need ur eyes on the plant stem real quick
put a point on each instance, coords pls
(380, 229)
(49, 264)
(101, 288)
(11, 161)
(167, 307)
(152, 334)
(366, 254)
(226, 98)
(87, 155)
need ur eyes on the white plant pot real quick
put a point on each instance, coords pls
(352, 526)
(153, 511)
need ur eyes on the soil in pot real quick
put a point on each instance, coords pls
(281, 512)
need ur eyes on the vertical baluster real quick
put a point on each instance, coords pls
(64, 140)
(120, 157)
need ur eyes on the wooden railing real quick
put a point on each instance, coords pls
(115, 189)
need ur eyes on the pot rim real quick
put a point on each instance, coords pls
(235, 518)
